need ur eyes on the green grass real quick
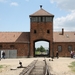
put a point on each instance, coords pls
(1, 66)
(72, 66)
(37, 52)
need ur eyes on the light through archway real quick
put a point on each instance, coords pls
(41, 48)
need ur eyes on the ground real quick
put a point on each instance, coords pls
(57, 66)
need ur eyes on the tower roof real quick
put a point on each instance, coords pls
(41, 12)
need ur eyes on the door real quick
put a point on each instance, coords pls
(13, 53)
(9, 53)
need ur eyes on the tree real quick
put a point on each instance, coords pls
(42, 49)
(38, 49)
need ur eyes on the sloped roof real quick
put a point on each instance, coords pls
(41, 12)
(14, 37)
(66, 37)
(24, 37)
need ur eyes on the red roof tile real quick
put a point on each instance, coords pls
(66, 37)
(25, 36)
(41, 12)
(14, 36)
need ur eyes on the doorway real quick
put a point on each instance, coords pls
(41, 48)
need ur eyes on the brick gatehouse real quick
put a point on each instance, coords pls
(22, 44)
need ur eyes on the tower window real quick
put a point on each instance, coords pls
(35, 31)
(44, 19)
(34, 19)
(49, 19)
(41, 19)
(48, 31)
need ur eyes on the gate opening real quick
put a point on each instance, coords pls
(41, 48)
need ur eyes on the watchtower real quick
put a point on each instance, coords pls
(41, 28)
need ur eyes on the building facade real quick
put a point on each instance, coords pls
(22, 44)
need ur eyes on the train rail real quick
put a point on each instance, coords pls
(28, 69)
(37, 67)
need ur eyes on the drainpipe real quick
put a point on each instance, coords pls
(28, 51)
(53, 51)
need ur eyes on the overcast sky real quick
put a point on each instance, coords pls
(45, 44)
(14, 14)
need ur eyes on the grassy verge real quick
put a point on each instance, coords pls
(37, 52)
(72, 66)
(1, 66)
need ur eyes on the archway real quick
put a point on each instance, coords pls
(41, 48)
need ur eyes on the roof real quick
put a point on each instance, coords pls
(66, 37)
(23, 37)
(41, 12)
(14, 37)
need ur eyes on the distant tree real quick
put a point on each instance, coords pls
(38, 49)
(42, 49)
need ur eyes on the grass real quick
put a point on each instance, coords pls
(37, 52)
(72, 66)
(1, 66)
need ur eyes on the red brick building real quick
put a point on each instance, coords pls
(22, 44)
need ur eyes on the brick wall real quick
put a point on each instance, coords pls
(22, 49)
(41, 34)
(64, 52)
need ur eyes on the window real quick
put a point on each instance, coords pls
(0, 46)
(11, 46)
(35, 31)
(69, 47)
(49, 19)
(41, 19)
(44, 19)
(48, 31)
(59, 48)
(34, 19)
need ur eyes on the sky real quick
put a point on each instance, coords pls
(14, 14)
(45, 44)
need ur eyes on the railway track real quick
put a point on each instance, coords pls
(37, 67)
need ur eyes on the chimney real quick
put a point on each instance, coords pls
(62, 31)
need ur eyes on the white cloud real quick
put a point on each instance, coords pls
(67, 22)
(65, 4)
(14, 4)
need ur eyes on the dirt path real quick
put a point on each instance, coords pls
(60, 66)
(57, 67)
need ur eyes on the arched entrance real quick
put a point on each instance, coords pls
(41, 48)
